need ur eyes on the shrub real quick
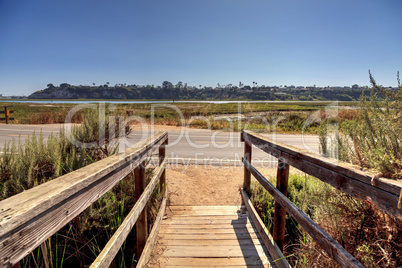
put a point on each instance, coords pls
(372, 139)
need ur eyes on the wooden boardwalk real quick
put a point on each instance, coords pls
(209, 236)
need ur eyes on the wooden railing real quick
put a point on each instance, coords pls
(342, 176)
(29, 218)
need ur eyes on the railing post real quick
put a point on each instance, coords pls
(141, 225)
(247, 156)
(162, 155)
(280, 213)
(6, 114)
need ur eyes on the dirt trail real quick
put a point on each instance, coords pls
(206, 185)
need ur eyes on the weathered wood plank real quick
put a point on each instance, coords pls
(113, 246)
(203, 208)
(208, 231)
(206, 242)
(203, 213)
(215, 262)
(217, 217)
(214, 252)
(146, 253)
(334, 250)
(214, 236)
(44, 209)
(274, 251)
(226, 266)
(206, 221)
(342, 176)
(227, 225)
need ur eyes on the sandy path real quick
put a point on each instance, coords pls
(206, 185)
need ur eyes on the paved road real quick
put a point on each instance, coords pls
(187, 147)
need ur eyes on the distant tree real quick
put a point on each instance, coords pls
(64, 85)
(200, 86)
(167, 85)
(50, 85)
(179, 84)
(241, 84)
(107, 83)
(93, 84)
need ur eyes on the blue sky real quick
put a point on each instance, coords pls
(201, 42)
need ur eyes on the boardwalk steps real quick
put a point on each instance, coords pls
(209, 236)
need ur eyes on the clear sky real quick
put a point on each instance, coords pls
(201, 42)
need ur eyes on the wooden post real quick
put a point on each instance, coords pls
(247, 174)
(6, 114)
(162, 155)
(280, 213)
(141, 225)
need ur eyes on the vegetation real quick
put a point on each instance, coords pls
(372, 139)
(25, 165)
(180, 91)
(280, 117)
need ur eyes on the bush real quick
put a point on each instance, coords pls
(372, 139)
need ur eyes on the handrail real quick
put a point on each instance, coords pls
(29, 218)
(342, 176)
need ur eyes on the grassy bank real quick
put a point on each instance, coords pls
(267, 117)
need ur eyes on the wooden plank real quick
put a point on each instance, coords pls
(217, 217)
(334, 250)
(226, 266)
(280, 213)
(146, 254)
(208, 231)
(206, 212)
(343, 176)
(206, 242)
(205, 221)
(228, 225)
(114, 244)
(203, 208)
(44, 209)
(274, 251)
(214, 252)
(215, 262)
(214, 236)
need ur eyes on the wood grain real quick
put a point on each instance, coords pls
(223, 241)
